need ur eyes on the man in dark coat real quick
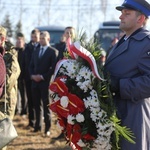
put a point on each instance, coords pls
(41, 69)
(20, 46)
(29, 48)
(128, 64)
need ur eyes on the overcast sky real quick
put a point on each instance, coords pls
(82, 14)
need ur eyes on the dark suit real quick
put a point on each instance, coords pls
(44, 66)
(21, 84)
(25, 65)
(61, 47)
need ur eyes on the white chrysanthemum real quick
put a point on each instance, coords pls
(95, 110)
(95, 102)
(70, 68)
(100, 114)
(80, 117)
(63, 80)
(100, 126)
(93, 117)
(81, 143)
(64, 101)
(61, 70)
(70, 119)
(86, 103)
(78, 78)
(93, 93)
(84, 78)
(101, 143)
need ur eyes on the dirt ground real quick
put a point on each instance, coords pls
(27, 140)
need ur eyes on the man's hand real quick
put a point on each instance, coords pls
(37, 78)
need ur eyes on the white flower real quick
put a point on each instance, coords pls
(64, 101)
(86, 103)
(93, 93)
(81, 143)
(95, 102)
(80, 118)
(69, 68)
(70, 119)
(84, 78)
(63, 80)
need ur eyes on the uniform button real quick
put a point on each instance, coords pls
(113, 93)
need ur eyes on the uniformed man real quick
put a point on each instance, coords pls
(12, 74)
(128, 64)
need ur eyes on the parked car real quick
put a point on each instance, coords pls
(55, 33)
(106, 33)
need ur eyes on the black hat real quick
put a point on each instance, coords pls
(140, 5)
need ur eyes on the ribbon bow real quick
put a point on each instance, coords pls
(75, 104)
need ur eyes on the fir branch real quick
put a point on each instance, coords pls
(122, 131)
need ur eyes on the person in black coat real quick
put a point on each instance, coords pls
(61, 46)
(29, 48)
(41, 69)
(20, 47)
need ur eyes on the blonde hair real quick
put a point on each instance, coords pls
(3, 31)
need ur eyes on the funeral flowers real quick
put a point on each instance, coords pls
(79, 94)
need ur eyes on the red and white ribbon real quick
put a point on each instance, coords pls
(58, 65)
(85, 54)
(76, 50)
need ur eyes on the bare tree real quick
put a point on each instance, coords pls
(104, 6)
(8, 25)
(46, 11)
(18, 28)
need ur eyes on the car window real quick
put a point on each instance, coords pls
(107, 32)
(55, 37)
(106, 36)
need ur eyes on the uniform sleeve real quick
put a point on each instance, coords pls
(12, 69)
(2, 74)
(138, 87)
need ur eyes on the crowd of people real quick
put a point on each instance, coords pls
(29, 67)
(26, 71)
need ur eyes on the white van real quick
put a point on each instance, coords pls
(106, 33)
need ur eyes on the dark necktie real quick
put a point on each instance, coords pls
(35, 46)
(41, 52)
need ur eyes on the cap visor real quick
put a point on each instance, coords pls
(120, 8)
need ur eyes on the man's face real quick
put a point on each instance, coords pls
(129, 20)
(35, 37)
(44, 40)
(20, 42)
